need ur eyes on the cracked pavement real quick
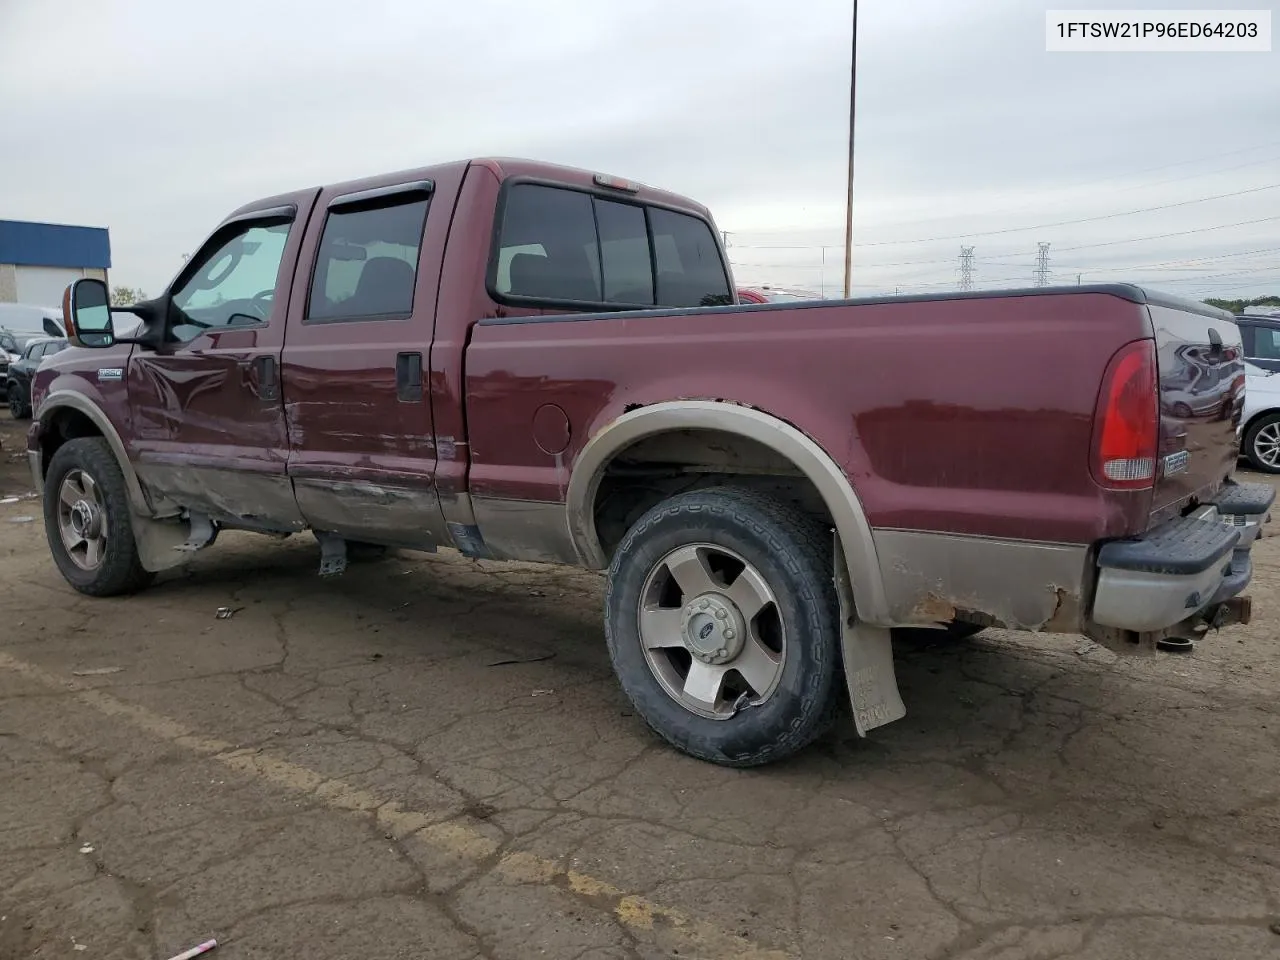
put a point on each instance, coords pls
(341, 770)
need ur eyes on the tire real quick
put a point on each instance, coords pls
(1262, 443)
(18, 406)
(788, 556)
(103, 514)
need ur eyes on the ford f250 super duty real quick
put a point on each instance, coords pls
(522, 361)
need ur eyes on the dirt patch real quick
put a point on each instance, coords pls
(15, 475)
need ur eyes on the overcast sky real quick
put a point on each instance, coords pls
(157, 118)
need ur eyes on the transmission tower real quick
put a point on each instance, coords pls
(1042, 266)
(966, 268)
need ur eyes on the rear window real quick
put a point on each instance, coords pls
(565, 246)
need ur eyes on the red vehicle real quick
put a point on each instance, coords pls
(770, 295)
(522, 361)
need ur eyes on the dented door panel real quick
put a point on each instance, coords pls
(208, 415)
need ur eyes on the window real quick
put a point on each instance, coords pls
(624, 253)
(566, 246)
(367, 263)
(235, 283)
(548, 249)
(1263, 342)
(690, 272)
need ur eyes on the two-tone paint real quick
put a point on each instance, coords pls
(947, 437)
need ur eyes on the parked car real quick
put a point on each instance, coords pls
(18, 377)
(13, 345)
(767, 294)
(1261, 336)
(20, 322)
(519, 361)
(1260, 422)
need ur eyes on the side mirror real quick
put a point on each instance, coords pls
(86, 313)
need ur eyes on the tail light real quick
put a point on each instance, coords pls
(1126, 424)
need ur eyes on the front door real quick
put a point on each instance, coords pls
(356, 361)
(209, 423)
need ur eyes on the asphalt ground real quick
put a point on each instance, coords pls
(429, 757)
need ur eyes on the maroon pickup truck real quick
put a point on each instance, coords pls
(522, 361)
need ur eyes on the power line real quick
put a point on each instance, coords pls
(1065, 223)
(1165, 236)
(1121, 176)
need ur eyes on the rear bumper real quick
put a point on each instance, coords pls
(1195, 567)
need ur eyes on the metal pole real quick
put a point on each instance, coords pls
(848, 224)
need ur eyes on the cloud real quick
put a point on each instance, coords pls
(156, 119)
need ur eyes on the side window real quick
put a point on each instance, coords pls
(1246, 336)
(235, 282)
(35, 351)
(547, 247)
(1266, 343)
(567, 246)
(689, 270)
(367, 262)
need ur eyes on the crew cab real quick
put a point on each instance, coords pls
(521, 361)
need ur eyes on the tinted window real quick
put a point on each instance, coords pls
(1265, 343)
(234, 282)
(689, 273)
(367, 263)
(548, 248)
(566, 246)
(624, 253)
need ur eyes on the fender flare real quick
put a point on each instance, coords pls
(67, 399)
(852, 526)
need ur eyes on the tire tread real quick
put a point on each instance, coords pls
(798, 542)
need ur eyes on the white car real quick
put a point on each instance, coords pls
(1260, 422)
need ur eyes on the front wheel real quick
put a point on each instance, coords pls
(1262, 443)
(723, 626)
(87, 523)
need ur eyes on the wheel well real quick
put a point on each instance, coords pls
(1270, 411)
(65, 424)
(660, 466)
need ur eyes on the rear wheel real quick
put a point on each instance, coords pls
(86, 520)
(723, 626)
(1262, 443)
(18, 407)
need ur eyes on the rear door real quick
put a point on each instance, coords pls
(355, 362)
(208, 417)
(1200, 357)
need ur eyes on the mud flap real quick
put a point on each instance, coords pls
(160, 542)
(868, 660)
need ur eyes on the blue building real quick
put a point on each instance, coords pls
(38, 260)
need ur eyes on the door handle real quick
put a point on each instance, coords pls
(266, 373)
(408, 377)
